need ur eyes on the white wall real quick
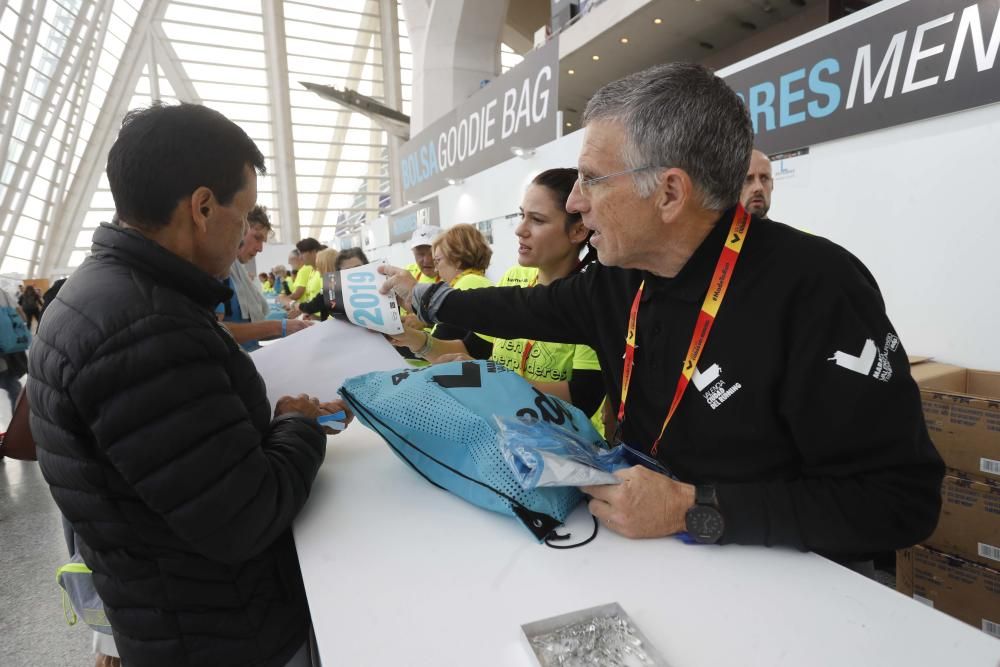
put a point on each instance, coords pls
(272, 255)
(917, 204)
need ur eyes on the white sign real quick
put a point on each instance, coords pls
(364, 305)
(517, 109)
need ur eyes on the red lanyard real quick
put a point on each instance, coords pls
(706, 318)
(528, 344)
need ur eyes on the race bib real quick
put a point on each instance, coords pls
(356, 294)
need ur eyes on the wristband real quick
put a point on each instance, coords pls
(284, 327)
(426, 347)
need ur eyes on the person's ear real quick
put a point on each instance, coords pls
(577, 233)
(203, 204)
(674, 191)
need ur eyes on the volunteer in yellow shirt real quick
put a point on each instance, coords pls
(423, 255)
(461, 256)
(308, 281)
(424, 271)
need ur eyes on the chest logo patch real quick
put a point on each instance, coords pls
(712, 387)
(871, 361)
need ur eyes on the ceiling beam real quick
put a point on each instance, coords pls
(276, 58)
(68, 218)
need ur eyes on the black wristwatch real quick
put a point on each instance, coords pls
(703, 520)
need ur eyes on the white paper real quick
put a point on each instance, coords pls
(364, 305)
(317, 360)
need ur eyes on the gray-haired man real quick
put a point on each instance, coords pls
(794, 419)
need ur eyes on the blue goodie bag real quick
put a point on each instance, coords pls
(439, 419)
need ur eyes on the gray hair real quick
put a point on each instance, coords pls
(680, 115)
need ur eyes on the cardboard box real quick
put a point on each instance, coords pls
(962, 411)
(970, 520)
(959, 588)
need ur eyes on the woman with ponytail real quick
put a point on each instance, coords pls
(550, 243)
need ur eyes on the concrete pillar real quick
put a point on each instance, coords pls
(456, 45)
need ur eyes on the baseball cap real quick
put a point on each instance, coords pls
(309, 244)
(424, 235)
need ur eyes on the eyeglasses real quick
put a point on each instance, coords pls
(587, 183)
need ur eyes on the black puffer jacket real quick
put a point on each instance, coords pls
(155, 435)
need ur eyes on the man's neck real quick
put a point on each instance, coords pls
(685, 238)
(168, 236)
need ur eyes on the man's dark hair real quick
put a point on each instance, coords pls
(309, 244)
(350, 253)
(165, 152)
(258, 217)
(560, 182)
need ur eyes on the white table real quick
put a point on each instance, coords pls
(399, 572)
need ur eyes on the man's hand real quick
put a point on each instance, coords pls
(414, 339)
(411, 321)
(645, 504)
(333, 407)
(297, 325)
(304, 404)
(400, 282)
(311, 408)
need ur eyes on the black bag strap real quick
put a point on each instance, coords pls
(541, 525)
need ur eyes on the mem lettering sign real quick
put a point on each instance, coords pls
(916, 60)
(517, 109)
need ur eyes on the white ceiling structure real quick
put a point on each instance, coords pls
(72, 68)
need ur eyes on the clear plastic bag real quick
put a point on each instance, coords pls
(540, 454)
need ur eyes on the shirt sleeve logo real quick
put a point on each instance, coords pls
(871, 361)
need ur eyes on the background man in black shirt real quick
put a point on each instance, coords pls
(797, 422)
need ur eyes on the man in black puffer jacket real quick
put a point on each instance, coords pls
(153, 427)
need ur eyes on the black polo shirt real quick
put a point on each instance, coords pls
(802, 413)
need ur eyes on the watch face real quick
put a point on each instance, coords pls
(704, 523)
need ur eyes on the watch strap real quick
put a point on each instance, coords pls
(704, 494)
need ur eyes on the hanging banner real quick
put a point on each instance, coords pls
(404, 222)
(517, 109)
(917, 60)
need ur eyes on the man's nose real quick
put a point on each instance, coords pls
(576, 203)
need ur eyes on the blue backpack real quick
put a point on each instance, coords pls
(439, 419)
(14, 333)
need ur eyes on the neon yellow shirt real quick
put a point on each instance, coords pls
(414, 270)
(310, 280)
(315, 285)
(547, 362)
(266, 286)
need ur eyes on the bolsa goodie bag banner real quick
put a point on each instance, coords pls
(440, 420)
